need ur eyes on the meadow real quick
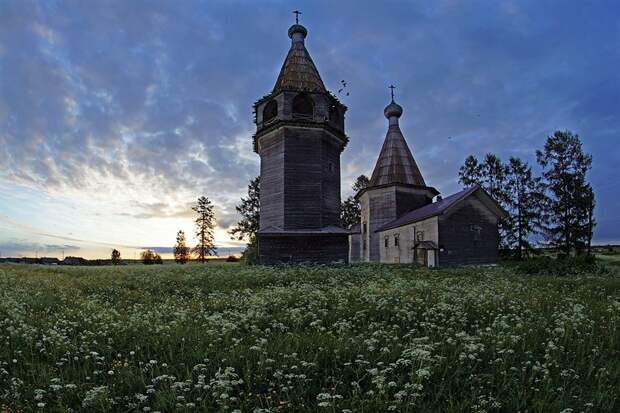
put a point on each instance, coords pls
(365, 338)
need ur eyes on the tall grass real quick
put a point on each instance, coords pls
(367, 338)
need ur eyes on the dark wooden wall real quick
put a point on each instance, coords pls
(272, 182)
(458, 241)
(407, 201)
(290, 249)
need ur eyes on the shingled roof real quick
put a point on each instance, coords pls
(395, 163)
(298, 71)
(439, 207)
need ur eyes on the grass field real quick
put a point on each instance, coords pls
(225, 337)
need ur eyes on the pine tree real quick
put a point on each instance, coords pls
(248, 226)
(249, 209)
(526, 201)
(116, 257)
(350, 209)
(181, 250)
(205, 224)
(571, 202)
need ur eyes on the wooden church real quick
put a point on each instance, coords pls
(299, 137)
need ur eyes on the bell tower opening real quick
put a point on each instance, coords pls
(303, 107)
(270, 111)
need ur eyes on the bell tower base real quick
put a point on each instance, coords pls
(297, 247)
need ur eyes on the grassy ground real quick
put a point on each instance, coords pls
(224, 337)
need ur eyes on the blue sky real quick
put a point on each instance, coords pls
(116, 115)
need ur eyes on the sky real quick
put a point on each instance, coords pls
(115, 116)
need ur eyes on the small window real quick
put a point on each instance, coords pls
(386, 241)
(419, 236)
(364, 244)
(302, 105)
(331, 167)
(270, 111)
(396, 240)
(364, 228)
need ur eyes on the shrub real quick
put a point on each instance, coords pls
(561, 266)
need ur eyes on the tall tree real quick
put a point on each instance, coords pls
(181, 250)
(571, 202)
(116, 257)
(526, 205)
(249, 209)
(248, 225)
(350, 209)
(205, 224)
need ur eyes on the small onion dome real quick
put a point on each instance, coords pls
(393, 109)
(297, 28)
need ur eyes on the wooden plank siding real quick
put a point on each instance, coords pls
(457, 241)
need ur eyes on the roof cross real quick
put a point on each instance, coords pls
(392, 91)
(296, 13)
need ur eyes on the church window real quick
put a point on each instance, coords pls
(396, 240)
(270, 111)
(386, 241)
(303, 106)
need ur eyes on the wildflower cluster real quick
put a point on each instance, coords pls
(344, 339)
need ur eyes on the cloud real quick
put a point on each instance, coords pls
(152, 100)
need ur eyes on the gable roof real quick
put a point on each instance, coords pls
(299, 72)
(440, 207)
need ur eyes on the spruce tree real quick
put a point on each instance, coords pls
(350, 209)
(249, 224)
(526, 200)
(571, 198)
(205, 225)
(249, 209)
(181, 250)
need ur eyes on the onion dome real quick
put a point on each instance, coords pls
(299, 30)
(393, 109)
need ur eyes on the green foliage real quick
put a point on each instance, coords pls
(181, 250)
(350, 208)
(526, 202)
(249, 209)
(205, 225)
(116, 257)
(148, 257)
(250, 254)
(565, 266)
(571, 205)
(370, 338)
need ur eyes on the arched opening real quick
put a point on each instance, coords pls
(270, 111)
(302, 105)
